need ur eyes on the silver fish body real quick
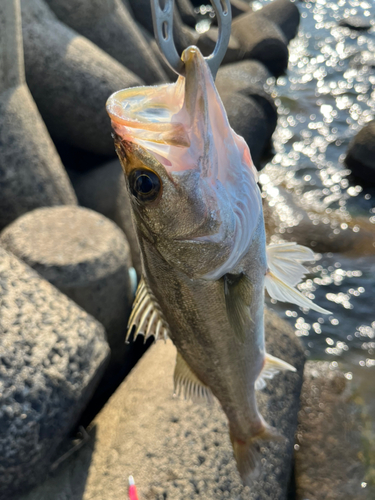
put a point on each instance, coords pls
(198, 216)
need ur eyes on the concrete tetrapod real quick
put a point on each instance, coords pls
(110, 26)
(31, 173)
(70, 81)
(53, 355)
(330, 439)
(176, 449)
(84, 255)
(285, 14)
(103, 189)
(361, 154)
(263, 40)
(249, 78)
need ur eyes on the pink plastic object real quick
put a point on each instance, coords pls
(132, 489)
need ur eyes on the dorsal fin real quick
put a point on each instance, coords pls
(188, 385)
(272, 366)
(146, 316)
(238, 291)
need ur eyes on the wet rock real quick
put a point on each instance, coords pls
(248, 119)
(357, 23)
(70, 81)
(261, 39)
(176, 449)
(329, 438)
(52, 357)
(361, 154)
(31, 173)
(84, 255)
(285, 14)
(292, 219)
(110, 26)
(248, 78)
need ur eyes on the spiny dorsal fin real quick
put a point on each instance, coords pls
(187, 384)
(238, 291)
(271, 367)
(146, 316)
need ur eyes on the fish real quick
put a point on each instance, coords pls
(197, 211)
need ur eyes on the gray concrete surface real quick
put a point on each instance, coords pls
(71, 81)
(361, 154)
(263, 40)
(31, 173)
(52, 357)
(330, 439)
(84, 255)
(110, 26)
(285, 14)
(177, 450)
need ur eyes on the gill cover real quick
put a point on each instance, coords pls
(185, 127)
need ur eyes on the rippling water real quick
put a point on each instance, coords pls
(328, 95)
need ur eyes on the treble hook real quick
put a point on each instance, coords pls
(163, 28)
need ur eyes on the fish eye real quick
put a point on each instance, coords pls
(144, 185)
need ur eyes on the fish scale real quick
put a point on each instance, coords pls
(200, 228)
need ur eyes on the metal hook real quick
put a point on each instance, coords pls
(163, 28)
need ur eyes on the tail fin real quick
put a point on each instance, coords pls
(247, 453)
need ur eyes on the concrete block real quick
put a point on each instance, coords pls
(263, 40)
(110, 26)
(285, 14)
(174, 448)
(84, 255)
(360, 157)
(52, 356)
(329, 438)
(31, 173)
(70, 81)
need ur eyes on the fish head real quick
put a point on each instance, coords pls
(190, 177)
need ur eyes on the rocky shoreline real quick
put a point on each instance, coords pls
(69, 261)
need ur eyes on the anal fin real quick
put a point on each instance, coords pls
(187, 385)
(272, 366)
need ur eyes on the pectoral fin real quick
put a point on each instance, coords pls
(147, 317)
(238, 291)
(285, 293)
(271, 367)
(188, 385)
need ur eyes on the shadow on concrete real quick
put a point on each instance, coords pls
(68, 480)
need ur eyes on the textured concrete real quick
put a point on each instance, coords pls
(177, 450)
(285, 14)
(248, 119)
(103, 189)
(12, 71)
(31, 173)
(84, 255)
(110, 26)
(361, 154)
(249, 78)
(70, 81)
(263, 40)
(52, 357)
(329, 438)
